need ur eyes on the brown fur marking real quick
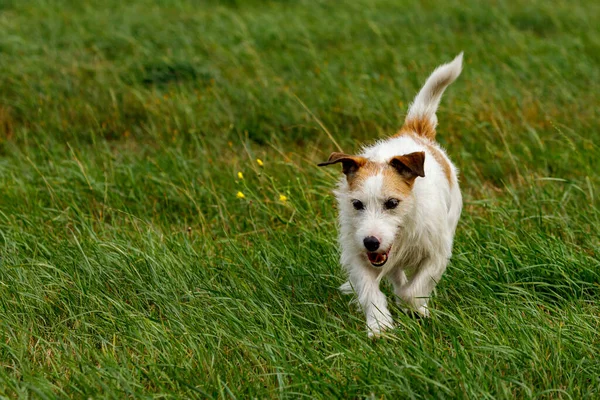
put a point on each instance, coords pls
(410, 165)
(393, 181)
(439, 157)
(350, 164)
(424, 134)
(421, 126)
(367, 170)
(396, 183)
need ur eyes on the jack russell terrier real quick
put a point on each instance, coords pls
(399, 204)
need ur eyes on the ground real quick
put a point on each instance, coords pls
(136, 261)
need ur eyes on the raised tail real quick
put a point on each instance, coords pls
(421, 116)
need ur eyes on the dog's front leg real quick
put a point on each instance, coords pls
(416, 292)
(365, 282)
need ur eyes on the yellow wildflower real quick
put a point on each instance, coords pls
(240, 175)
(259, 162)
(240, 195)
(282, 198)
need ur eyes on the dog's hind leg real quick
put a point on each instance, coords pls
(416, 292)
(398, 279)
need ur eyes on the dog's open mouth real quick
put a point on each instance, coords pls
(378, 259)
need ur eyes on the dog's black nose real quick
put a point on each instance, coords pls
(371, 243)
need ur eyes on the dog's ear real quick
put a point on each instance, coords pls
(410, 165)
(350, 164)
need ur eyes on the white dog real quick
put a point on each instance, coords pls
(399, 205)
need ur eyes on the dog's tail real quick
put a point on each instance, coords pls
(421, 116)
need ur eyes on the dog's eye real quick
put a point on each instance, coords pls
(390, 204)
(358, 205)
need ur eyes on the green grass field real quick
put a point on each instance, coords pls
(129, 267)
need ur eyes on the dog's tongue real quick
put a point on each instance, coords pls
(376, 258)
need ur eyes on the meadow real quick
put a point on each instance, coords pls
(146, 252)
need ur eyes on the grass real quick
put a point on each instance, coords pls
(130, 268)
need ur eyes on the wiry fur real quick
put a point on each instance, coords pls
(419, 232)
(427, 101)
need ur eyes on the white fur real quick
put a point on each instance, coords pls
(428, 99)
(420, 231)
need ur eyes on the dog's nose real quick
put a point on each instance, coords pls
(371, 243)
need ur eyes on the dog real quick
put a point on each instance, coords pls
(399, 204)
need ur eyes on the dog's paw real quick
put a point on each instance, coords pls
(421, 312)
(373, 334)
(346, 288)
(378, 333)
(377, 329)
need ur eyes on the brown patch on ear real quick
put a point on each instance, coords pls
(350, 164)
(437, 154)
(357, 169)
(409, 165)
(421, 126)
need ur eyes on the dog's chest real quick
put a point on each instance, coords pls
(408, 256)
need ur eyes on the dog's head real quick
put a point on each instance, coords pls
(376, 199)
